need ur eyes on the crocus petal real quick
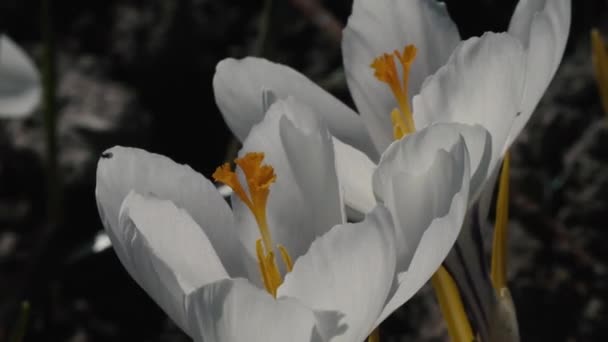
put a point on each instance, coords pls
(350, 269)
(233, 310)
(355, 171)
(377, 27)
(542, 26)
(425, 185)
(121, 170)
(305, 201)
(239, 85)
(169, 253)
(19, 81)
(481, 84)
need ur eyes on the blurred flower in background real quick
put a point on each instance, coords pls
(20, 88)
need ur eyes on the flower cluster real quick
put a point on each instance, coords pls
(337, 218)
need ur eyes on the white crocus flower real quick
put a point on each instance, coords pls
(379, 29)
(486, 76)
(210, 267)
(494, 82)
(19, 81)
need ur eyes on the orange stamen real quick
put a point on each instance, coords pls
(385, 70)
(259, 178)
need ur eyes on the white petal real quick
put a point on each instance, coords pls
(377, 27)
(169, 254)
(355, 171)
(419, 152)
(239, 85)
(350, 269)
(481, 84)
(19, 81)
(542, 26)
(121, 170)
(305, 201)
(233, 310)
(425, 186)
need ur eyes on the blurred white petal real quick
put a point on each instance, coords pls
(101, 242)
(20, 88)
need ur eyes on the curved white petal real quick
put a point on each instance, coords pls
(169, 254)
(350, 269)
(121, 170)
(542, 26)
(377, 27)
(425, 185)
(233, 310)
(305, 201)
(239, 85)
(436, 137)
(481, 84)
(355, 171)
(19, 81)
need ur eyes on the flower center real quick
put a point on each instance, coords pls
(385, 70)
(259, 177)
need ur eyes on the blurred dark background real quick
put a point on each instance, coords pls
(139, 73)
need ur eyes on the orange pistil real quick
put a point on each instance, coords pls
(385, 70)
(259, 178)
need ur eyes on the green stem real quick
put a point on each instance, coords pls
(49, 79)
(264, 30)
(21, 326)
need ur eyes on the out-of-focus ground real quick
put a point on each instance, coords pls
(139, 73)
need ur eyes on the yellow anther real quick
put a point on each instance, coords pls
(274, 275)
(385, 70)
(451, 306)
(501, 234)
(286, 258)
(259, 249)
(400, 127)
(599, 56)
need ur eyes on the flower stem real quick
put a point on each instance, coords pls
(451, 306)
(261, 48)
(49, 79)
(19, 331)
(374, 336)
(501, 232)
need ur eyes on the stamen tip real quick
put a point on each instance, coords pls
(221, 173)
